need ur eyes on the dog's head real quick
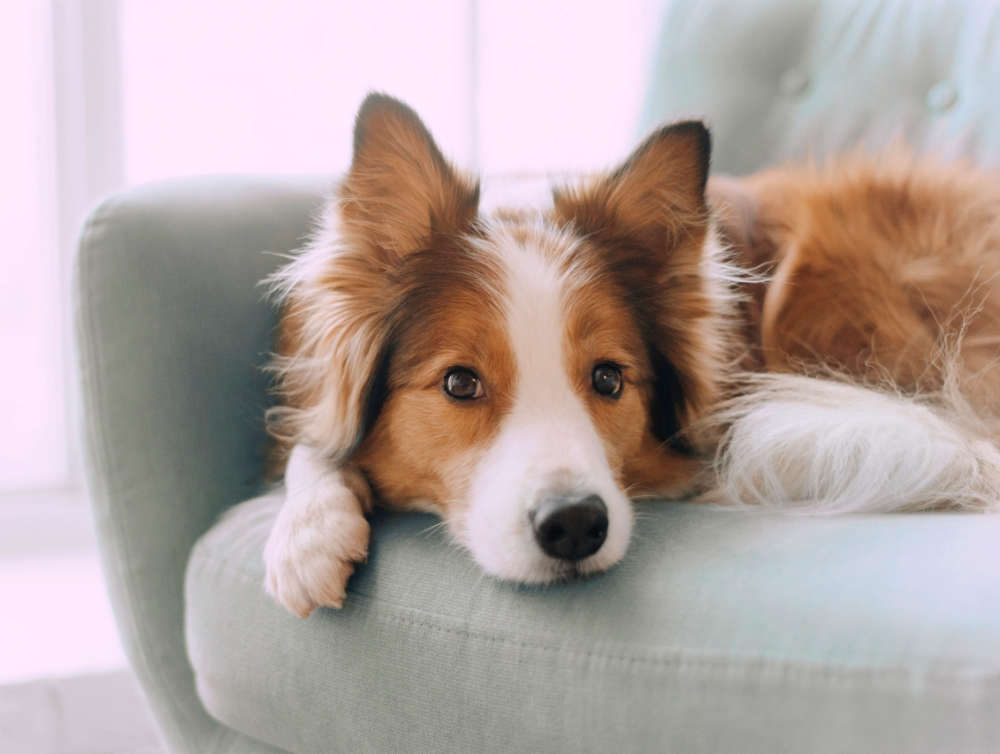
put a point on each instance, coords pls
(522, 374)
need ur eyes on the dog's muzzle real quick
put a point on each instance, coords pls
(570, 527)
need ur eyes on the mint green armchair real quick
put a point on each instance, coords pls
(719, 632)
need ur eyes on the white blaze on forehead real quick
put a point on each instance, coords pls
(547, 443)
(537, 291)
(548, 417)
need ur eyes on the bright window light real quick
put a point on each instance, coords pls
(227, 86)
(33, 432)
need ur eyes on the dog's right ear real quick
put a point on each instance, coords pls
(400, 190)
(335, 346)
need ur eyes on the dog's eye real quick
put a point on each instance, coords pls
(463, 384)
(607, 379)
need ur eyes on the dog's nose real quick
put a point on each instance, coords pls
(571, 527)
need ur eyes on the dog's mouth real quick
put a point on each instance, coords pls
(573, 572)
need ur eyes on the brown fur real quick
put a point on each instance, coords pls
(422, 446)
(603, 329)
(649, 221)
(882, 268)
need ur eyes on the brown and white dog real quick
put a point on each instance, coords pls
(525, 374)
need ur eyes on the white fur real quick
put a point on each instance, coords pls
(821, 446)
(547, 444)
(319, 535)
(336, 344)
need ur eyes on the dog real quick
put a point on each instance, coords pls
(526, 374)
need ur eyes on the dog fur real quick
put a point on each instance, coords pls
(881, 273)
(877, 273)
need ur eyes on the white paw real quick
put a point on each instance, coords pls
(316, 541)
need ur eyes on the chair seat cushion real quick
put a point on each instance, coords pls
(721, 631)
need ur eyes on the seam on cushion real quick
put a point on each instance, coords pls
(679, 658)
(727, 664)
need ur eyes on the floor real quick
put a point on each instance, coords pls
(101, 713)
(65, 687)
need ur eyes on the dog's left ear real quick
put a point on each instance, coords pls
(650, 224)
(655, 199)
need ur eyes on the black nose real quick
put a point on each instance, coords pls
(570, 527)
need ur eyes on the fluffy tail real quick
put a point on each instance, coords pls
(823, 446)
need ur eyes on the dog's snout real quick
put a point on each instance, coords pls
(571, 527)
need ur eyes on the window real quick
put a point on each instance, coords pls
(33, 431)
(102, 94)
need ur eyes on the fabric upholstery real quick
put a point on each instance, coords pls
(782, 79)
(719, 632)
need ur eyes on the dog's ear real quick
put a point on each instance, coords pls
(400, 190)
(648, 221)
(338, 297)
(655, 199)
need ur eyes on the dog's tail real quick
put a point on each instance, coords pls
(828, 446)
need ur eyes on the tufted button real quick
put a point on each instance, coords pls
(942, 97)
(793, 82)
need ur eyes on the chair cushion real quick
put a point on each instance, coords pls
(721, 631)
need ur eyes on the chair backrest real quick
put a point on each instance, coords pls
(782, 79)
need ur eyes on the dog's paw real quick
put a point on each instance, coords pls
(313, 548)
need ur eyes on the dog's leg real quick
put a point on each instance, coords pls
(320, 533)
